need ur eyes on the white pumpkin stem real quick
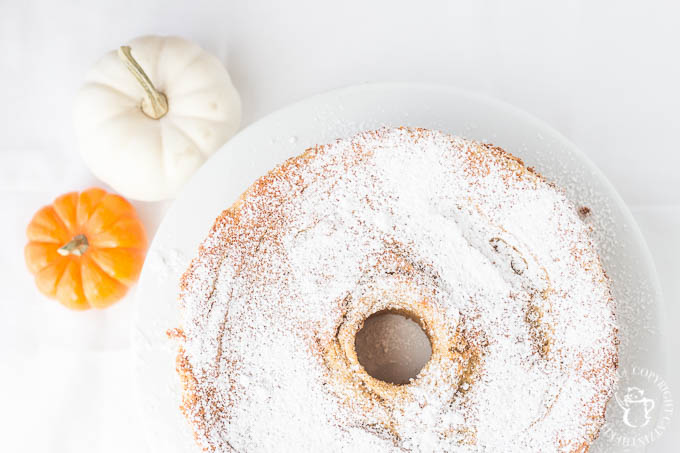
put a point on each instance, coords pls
(155, 105)
(76, 246)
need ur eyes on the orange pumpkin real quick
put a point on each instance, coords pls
(86, 249)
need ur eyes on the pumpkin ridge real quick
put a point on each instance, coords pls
(100, 299)
(127, 212)
(82, 205)
(194, 91)
(124, 278)
(160, 85)
(61, 274)
(128, 110)
(84, 303)
(132, 249)
(38, 254)
(94, 233)
(106, 239)
(62, 205)
(127, 139)
(161, 144)
(183, 133)
(199, 53)
(61, 223)
(114, 90)
(195, 117)
(152, 48)
(93, 263)
(43, 236)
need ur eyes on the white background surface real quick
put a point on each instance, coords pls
(605, 74)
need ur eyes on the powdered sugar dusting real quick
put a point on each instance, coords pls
(508, 268)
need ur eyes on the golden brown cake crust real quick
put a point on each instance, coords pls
(256, 259)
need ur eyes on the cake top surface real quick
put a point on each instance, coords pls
(500, 254)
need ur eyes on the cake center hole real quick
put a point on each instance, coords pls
(392, 347)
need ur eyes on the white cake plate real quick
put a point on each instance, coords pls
(341, 113)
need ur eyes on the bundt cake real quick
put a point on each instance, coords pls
(487, 256)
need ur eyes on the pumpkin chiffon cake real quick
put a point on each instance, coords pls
(487, 256)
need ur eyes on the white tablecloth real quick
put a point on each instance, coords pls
(606, 74)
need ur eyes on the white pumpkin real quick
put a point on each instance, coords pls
(151, 113)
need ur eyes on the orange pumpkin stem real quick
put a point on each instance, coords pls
(76, 246)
